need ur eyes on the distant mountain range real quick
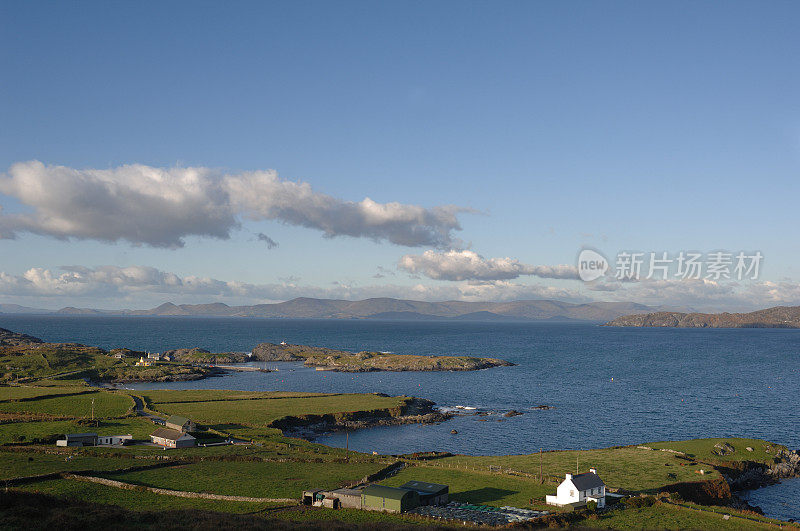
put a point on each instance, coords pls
(777, 317)
(380, 308)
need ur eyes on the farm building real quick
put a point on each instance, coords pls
(389, 499)
(334, 499)
(348, 498)
(172, 438)
(180, 423)
(312, 496)
(78, 439)
(579, 489)
(429, 493)
(114, 440)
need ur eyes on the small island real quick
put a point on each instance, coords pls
(330, 359)
(338, 360)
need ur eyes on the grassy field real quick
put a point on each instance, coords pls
(18, 392)
(21, 464)
(26, 413)
(627, 467)
(106, 404)
(48, 431)
(249, 415)
(208, 395)
(255, 479)
(479, 487)
(704, 449)
(666, 516)
(136, 500)
(48, 359)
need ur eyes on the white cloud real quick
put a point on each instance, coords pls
(702, 294)
(142, 286)
(162, 206)
(469, 265)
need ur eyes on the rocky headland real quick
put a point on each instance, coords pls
(777, 317)
(412, 411)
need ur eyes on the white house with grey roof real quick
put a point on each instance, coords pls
(579, 489)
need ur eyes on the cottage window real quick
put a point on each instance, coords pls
(572, 493)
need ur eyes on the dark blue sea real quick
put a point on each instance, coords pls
(608, 386)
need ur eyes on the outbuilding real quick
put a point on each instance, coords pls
(179, 423)
(348, 498)
(429, 493)
(389, 499)
(78, 439)
(114, 440)
(172, 438)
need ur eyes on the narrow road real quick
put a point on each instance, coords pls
(139, 408)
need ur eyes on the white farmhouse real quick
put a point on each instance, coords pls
(579, 489)
(114, 440)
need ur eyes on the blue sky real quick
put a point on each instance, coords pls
(618, 125)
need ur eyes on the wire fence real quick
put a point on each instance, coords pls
(486, 469)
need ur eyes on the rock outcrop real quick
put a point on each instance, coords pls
(341, 361)
(201, 355)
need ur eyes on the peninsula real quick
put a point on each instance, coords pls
(24, 357)
(777, 317)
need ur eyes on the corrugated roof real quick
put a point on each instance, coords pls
(393, 493)
(347, 492)
(425, 487)
(587, 481)
(80, 435)
(166, 433)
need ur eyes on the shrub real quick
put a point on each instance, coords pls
(641, 501)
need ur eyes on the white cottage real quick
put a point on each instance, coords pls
(580, 489)
(114, 440)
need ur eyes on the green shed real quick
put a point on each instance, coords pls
(390, 499)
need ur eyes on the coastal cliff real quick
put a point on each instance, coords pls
(777, 317)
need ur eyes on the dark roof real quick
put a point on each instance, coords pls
(178, 421)
(347, 492)
(166, 433)
(586, 481)
(423, 487)
(383, 491)
(79, 435)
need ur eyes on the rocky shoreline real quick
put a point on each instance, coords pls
(752, 476)
(413, 411)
